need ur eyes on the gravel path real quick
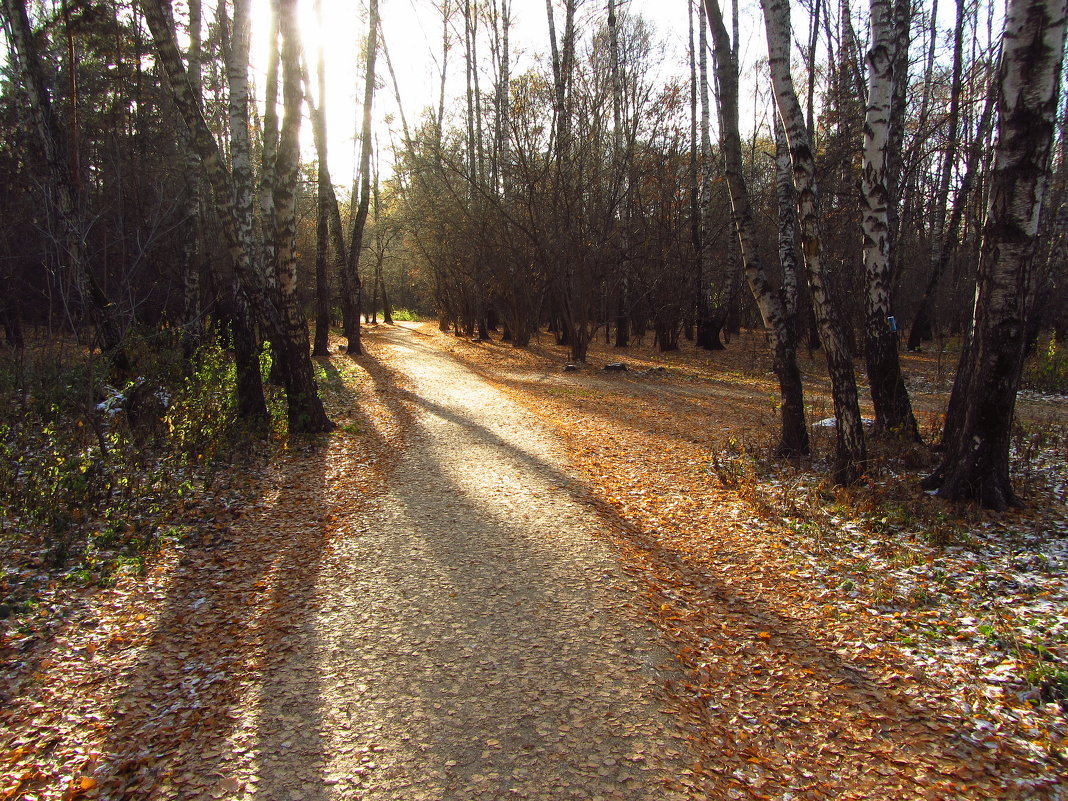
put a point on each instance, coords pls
(473, 635)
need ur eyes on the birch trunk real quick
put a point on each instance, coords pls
(850, 460)
(975, 463)
(793, 439)
(246, 297)
(324, 193)
(893, 411)
(268, 256)
(305, 409)
(787, 238)
(360, 220)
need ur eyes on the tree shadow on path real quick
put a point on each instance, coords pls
(203, 713)
(750, 661)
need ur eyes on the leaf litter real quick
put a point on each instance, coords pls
(826, 646)
(865, 643)
(410, 607)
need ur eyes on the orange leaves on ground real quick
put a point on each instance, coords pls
(725, 572)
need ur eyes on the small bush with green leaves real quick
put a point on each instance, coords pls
(80, 479)
(1047, 368)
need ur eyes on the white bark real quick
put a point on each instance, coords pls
(240, 146)
(874, 192)
(979, 420)
(787, 239)
(794, 438)
(851, 450)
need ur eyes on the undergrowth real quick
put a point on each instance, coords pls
(406, 316)
(1046, 370)
(96, 472)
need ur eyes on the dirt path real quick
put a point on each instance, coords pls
(449, 626)
(472, 636)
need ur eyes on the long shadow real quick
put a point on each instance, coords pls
(909, 725)
(297, 714)
(226, 691)
(673, 402)
(472, 678)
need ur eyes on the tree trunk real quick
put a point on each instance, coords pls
(975, 462)
(850, 460)
(61, 192)
(268, 257)
(246, 292)
(787, 239)
(360, 219)
(321, 344)
(324, 195)
(793, 438)
(251, 403)
(709, 320)
(700, 295)
(305, 409)
(893, 410)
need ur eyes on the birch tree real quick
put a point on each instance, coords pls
(787, 238)
(306, 413)
(793, 438)
(893, 410)
(246, 291)
(305, 409)
(975, 462)
(850, 457)
(324, 197)
(359, 222)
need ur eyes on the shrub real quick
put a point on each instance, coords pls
(94, 475)
(1047, 369)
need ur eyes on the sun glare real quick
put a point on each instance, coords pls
(412, 32)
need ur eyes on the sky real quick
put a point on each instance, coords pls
(412, 29)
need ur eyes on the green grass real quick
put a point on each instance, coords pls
(406, 316)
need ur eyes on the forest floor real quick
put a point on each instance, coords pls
(496, 579)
